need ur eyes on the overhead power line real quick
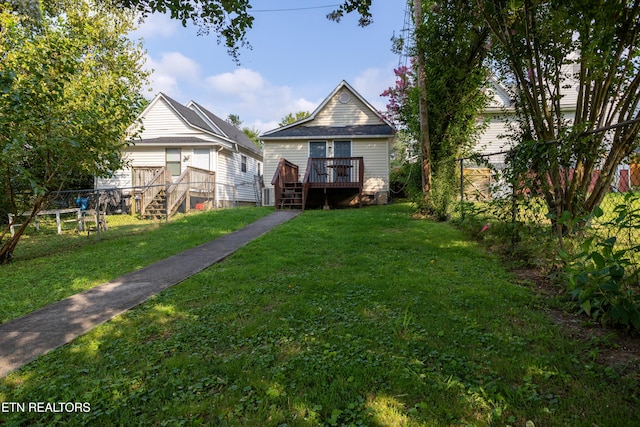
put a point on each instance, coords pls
(296, 8)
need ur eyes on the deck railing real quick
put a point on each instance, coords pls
(334, 172)
(192, 179)
(286, 173)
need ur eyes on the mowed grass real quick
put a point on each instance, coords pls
(361, 317)
(50, 267)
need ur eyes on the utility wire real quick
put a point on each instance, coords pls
(295, 8)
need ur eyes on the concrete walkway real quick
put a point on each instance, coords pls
(27, 337)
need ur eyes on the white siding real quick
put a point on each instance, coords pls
(297, 152)
(161, 120)
(351, 113)
(376, 164)
(494, 139)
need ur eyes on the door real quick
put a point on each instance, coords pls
(318, 149)
(342, 167)
(201, 158)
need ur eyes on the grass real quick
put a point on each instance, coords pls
(353, 317)
(50, 267)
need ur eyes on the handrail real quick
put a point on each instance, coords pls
(177, 190)
(334, 172)
(191, 179)
(286, 173)
(153, 188)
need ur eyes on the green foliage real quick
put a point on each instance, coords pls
(454, 41)
(69, 89)
(603, 277)
(292, 118)
(552, 51)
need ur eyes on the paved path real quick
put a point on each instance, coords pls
(27, 337)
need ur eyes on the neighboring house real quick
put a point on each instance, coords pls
(338, 156)
(495, 141)
(181, 144)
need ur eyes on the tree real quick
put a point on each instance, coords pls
(291, 118)
(69, 89)
(253, 134)
(235, 120)
(453, 41)
(544, 47)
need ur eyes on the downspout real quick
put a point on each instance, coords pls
(220, 148)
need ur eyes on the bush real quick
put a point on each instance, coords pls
(603, 277)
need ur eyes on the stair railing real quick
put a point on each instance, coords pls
(286, 173)
(152, 188)
(177, 191)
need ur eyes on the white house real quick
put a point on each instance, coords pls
(338, 156)
(187, 143)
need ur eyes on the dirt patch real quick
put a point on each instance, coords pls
(612, 348)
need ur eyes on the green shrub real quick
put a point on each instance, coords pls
(603, 277)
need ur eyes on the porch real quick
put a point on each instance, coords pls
(327, 181)
(158, 194)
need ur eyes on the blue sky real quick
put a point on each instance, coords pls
(297, 58)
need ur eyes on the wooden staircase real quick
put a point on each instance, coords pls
(158, 207)
(291, 196)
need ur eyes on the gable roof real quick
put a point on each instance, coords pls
(226, 128)
(198, 117)
(302, 128)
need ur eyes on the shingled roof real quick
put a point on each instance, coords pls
(334, 131)
(210, 123)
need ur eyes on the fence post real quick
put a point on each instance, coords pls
(461, 189)
(166, 203)
(98, 216)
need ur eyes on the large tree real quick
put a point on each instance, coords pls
(453, 40)
(70, 86)
(544, 48)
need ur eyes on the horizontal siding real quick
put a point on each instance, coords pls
(297, 152)
(162, 121)
(376, 164)
(354, 112)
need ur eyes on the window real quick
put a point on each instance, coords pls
(173, 157)
(243, 163)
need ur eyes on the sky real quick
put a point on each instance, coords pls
(297, 58)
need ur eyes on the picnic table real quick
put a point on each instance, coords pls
(56, 212)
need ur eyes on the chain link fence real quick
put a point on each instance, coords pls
(93, 214)
(485, 194)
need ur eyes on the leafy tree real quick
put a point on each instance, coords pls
(454, 40)
(69, 88)
(291, 118)
(235, 120)
(253, 134)
(544, 48)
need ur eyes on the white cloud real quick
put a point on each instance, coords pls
(156, 25)
(242, 82)
(372, 82)
(170, 70)
(259, 103)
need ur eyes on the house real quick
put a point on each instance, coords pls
(338, 156)
(204, 158)
(494, 142)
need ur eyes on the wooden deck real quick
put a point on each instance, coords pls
(326, 180)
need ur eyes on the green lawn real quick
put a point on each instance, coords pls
(49, 267)
(347, 317)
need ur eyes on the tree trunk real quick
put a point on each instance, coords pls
(425, 145)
